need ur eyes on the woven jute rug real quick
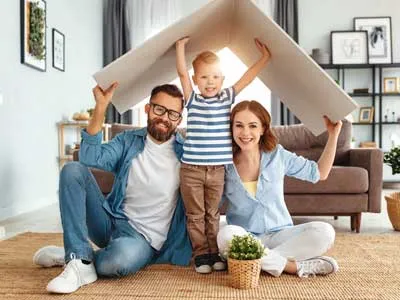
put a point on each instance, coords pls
(369, 269)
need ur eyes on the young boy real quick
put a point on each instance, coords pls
(208, 147)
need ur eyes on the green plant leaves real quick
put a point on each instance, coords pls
(392, 159)
(37, 47)
(246, 247)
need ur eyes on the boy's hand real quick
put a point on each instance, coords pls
(263, 49)
(103, 98)
(332, 128)
(182, 42)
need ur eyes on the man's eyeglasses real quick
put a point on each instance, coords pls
(160, 110)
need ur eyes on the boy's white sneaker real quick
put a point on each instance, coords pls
(75, 275)
(320, 265)
(49, 256)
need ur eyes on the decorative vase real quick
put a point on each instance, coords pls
(393, 209)
(244, 274)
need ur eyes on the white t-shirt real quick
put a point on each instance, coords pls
(152, 191)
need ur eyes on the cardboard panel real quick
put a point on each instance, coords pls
(302, 85)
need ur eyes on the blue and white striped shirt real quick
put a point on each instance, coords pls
(208, 138)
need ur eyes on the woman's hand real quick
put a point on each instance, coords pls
(332, 128)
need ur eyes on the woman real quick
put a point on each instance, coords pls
(254, 191)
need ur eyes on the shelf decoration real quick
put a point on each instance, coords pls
(33, 34)
(349, 47)
(390, 85)
(366, 114)
(379, 37)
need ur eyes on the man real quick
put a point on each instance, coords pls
(142, 220)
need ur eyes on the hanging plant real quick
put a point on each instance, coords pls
(36, 31)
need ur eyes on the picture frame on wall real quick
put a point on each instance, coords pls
(390, 85)
(33, 33)
(349, 47)
(366, 114)
(379, 38)
(58, 46)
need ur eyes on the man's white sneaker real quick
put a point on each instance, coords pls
(49, 256)
(320, 265)
(75, 275)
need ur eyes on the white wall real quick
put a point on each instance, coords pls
(318, 18)
(34, 101)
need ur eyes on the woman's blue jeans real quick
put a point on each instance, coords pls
(122, 251)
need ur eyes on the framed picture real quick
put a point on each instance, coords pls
(33, 33)
(349, 47)
(58, 50)
(390, 85)
(379, 37)
(366, 114)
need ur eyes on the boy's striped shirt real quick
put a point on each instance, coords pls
(208, 138)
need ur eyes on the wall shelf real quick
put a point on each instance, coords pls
(376, 95)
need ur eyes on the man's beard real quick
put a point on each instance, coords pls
(156, 133)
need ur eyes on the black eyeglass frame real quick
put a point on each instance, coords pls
(170, 112)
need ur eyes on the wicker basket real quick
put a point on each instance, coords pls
(244, 273)
(393, 209)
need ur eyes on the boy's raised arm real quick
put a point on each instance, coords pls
(182, 69)
(253, 71)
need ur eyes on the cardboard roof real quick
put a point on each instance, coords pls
(291, 74)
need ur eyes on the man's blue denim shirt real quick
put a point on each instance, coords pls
(116, 157)
(267, 211)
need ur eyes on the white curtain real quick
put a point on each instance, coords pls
(148, 17)
(267, 6)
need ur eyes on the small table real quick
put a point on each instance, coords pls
(78, 125)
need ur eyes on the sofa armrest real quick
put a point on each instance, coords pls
(372, 161)
(75, 155)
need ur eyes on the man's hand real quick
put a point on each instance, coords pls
(103, 98)
(263, 49)
(182, 42)
(332, 128)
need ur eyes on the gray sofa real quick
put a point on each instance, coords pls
(354, 185)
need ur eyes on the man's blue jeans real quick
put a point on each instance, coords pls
(123, 250)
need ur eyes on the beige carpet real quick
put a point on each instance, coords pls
(369, 269)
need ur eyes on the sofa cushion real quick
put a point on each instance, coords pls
(326, 204)
(299, 139)
(341, 180)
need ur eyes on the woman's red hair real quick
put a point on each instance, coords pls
(268, 140)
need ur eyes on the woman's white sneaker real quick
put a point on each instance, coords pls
(75, 275)
(320, 265)
(49, 256)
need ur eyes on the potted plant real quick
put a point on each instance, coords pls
(392, 159)
(353, 142)
(244, 261)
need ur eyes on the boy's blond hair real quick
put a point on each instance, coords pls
(207, 57)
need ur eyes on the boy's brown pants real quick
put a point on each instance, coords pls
(202, 188)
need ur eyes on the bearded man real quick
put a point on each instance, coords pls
(142, 220)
